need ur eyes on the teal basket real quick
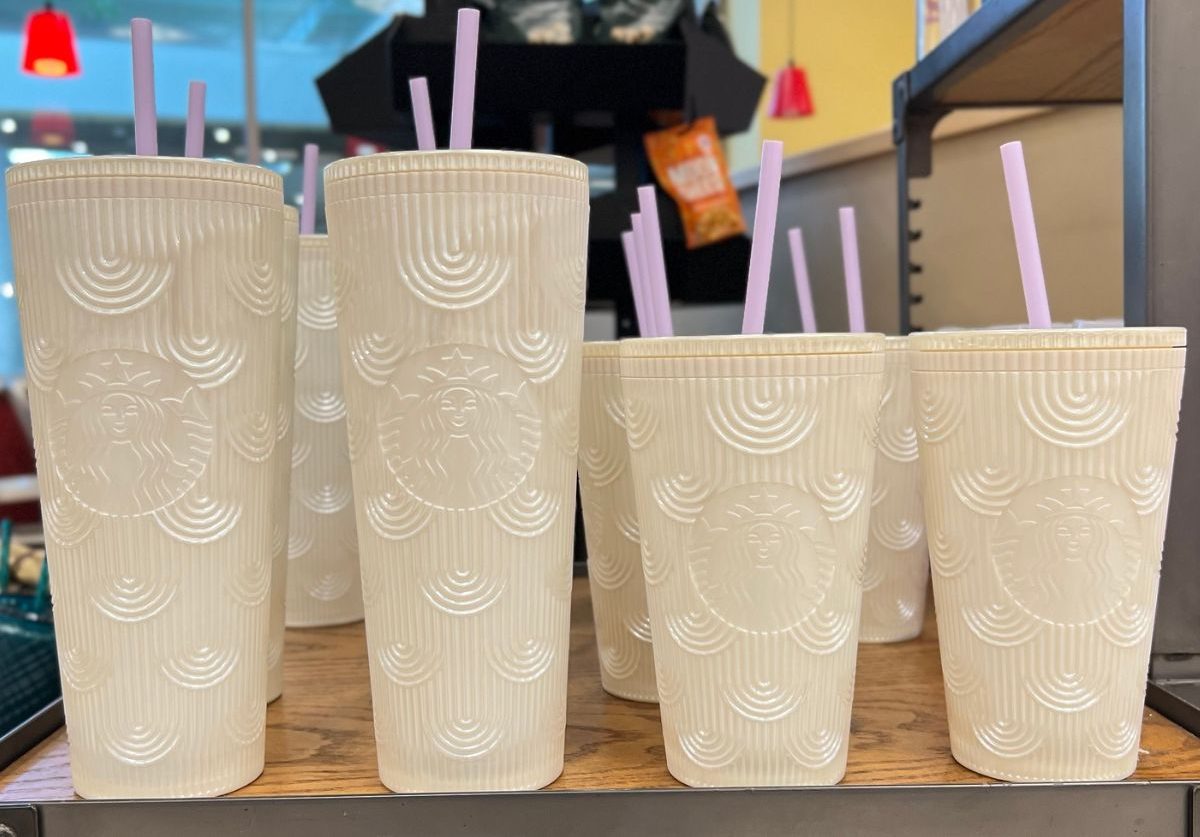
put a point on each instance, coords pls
(28, 657)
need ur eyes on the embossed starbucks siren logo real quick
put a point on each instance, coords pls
(1067, 550)
(129, 434)
(462, 428)
(762, 556)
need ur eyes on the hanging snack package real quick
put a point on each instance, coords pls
(689, 164)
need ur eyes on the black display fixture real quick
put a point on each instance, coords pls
(577, 100)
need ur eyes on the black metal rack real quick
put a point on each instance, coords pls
(1141, 54)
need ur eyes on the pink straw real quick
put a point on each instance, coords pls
(1029, 256)
(766, 207)
(803, 290)
(466, 51)
(145, 119)
(643, 273)
(656, 279)
(418, 89)
(308, 205)
(645, 327)
(854, 297)
(193, 142)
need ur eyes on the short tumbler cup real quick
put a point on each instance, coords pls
(1047, 460)
(614, 556)
(753, 459)
(897, 573)
(323, 583)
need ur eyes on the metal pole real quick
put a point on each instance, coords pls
(253, 137)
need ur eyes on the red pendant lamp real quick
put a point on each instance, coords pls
(791, 98)
(49, 44)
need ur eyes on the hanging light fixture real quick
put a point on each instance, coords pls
(49, 44)
(791, 98)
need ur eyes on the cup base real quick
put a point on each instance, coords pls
(757, 781)
(630, 694)
(532, 780)
(217, 786)
(321, 623)
(905, 635)
(1019, 778)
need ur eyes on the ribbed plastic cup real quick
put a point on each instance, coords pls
(460, 280)
(324, 586)
(897, 574)
(1047, 459)
(282, 455)
(149, 293)
(753, 459)
(614, 557)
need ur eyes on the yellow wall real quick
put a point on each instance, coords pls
(851, 50)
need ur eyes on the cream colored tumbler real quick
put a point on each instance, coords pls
(281, 457)
(460, 284)
(1046, 459)
(149, 299)
(614, 556)
(324, 586)
(897, 572)
(753, 459)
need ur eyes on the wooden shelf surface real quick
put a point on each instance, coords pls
(320, 739)
(1028, 52)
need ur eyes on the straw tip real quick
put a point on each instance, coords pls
(468, 15)
(846, 211)
(1010, 147)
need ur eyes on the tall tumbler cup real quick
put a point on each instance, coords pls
(614, 556)
(323, 582)
(282, 455)
(1046, 459)
(897, 572)
(753, 459)
(460, 281)
(149, 300)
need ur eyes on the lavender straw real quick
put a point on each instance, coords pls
(462, 106)
(1029, 256)
(808, 320)
(145, 119)
(656, 279)
(766, 207)
(418, 89)
(645, 328)
(854, 298)
(308, 206)
(193, 142)
(643, 272)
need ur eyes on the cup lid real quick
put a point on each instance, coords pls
(128, 165)
(601, 348)
(745, 345)
(999, 340)
(471, 160)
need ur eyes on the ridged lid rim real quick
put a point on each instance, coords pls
(290, 213)
(1015, 340)
(473, 160)
(127, 165)
(601, 348)
(752, 345)
(314, 240)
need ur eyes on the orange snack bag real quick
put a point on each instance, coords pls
(691, 167)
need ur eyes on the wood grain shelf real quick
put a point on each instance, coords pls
(1026, 52)
(320, 740)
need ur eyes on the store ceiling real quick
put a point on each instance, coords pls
(325, 24)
